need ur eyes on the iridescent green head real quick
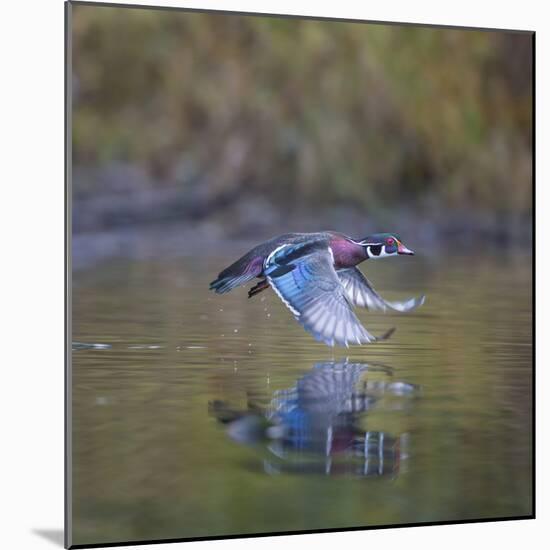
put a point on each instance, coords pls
(381, 245)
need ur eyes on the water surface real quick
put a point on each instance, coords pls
(201, 415)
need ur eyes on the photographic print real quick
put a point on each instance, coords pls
(300, 274)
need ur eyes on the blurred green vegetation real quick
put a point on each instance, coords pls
(318, 112)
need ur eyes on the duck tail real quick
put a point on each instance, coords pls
(224, 284)
(239, 273)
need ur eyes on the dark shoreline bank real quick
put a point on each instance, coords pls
(146, 229)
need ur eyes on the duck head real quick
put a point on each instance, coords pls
(381, 245)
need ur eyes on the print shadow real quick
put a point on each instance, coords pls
(55, 536)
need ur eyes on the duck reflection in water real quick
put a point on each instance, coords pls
(318, 425)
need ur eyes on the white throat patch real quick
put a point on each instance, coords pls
(382, 254)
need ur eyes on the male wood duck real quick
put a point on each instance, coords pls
(316, 277)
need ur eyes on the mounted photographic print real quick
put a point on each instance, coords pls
(299, 274)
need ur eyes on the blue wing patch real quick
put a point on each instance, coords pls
(303, 276)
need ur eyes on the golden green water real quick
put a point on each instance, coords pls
(448, 403)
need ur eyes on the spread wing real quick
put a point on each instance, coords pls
(360, 293)
(304, 278)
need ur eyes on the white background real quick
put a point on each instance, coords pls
(31, 312)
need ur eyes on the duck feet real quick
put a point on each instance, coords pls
(262, 285)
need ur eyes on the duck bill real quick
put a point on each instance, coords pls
(402, 249)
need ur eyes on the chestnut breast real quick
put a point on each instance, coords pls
(346, 252)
